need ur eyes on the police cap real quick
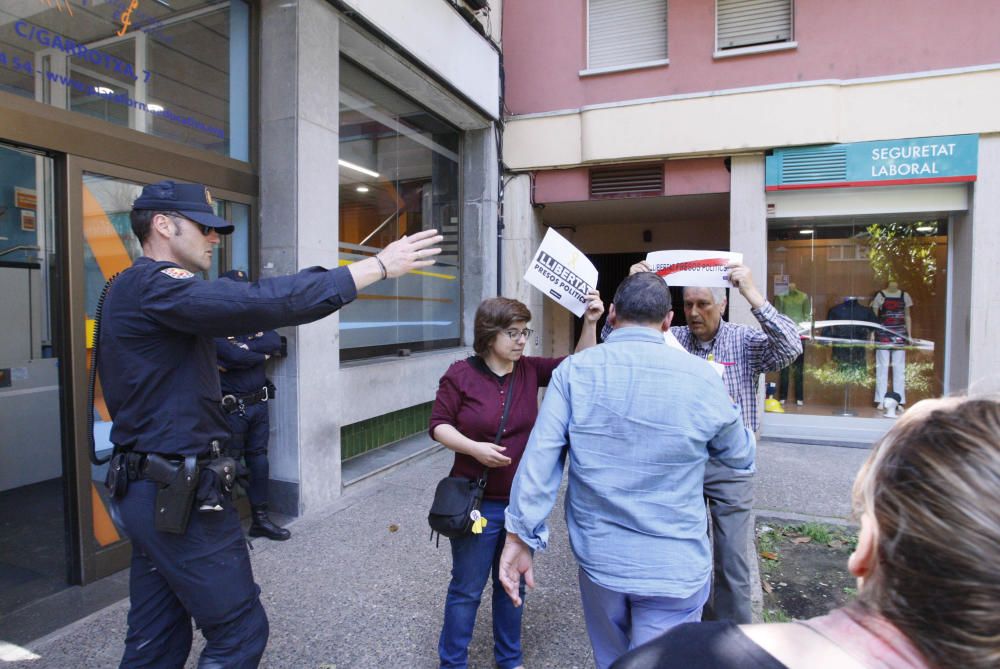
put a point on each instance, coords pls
(235, 275)
(190, 200)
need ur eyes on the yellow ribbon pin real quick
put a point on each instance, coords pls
(478, 521)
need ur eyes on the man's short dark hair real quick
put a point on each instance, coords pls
(141, 220)
(642, 298)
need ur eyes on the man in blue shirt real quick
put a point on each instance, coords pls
(638, 420)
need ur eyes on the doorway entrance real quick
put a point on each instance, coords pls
(34, 551)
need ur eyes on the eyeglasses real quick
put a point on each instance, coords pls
(205, 229)
(517, 334)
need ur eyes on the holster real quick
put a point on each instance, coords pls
(177, 486)
(116, 480)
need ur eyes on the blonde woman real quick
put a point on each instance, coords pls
(928, 581)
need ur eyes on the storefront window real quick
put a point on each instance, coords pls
(398, 172)
(869, 295)
(177, 70)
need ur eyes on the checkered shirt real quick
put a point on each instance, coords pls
(747, 353)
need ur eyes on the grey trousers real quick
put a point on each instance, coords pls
(730, 501)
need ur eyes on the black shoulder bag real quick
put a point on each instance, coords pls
(457, 497)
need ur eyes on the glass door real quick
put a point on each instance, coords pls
(101, 197)
(34, 559)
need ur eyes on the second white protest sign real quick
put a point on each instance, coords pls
(562, 272)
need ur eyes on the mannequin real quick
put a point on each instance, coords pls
(892, 306)
(850, 310)
(797, 305)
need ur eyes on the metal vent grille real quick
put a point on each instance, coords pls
(814, 166)
(630, 181)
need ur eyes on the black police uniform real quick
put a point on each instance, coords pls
(243, 377)
(241, 366)
(158, 372)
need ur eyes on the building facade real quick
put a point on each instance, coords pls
(323, 130)
(848, 150)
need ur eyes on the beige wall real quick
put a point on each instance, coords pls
(984, 354)
(737, 122)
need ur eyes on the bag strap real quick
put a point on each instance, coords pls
(503, 421)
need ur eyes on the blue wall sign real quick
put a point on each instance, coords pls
(920, 160)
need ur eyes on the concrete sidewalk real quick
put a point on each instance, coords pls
(360, 585)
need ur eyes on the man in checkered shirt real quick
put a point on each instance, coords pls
(747, 352)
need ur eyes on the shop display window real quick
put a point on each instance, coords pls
(870, 298)
(398, 174)
(177, 70)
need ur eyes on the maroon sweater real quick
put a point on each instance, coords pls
(470, 398)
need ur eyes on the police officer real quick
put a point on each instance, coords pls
(157, 364)
(245, 394)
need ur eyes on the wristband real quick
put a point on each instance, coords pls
(385, 273)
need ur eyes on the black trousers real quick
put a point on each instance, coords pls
(797, 368)
(250, 433)
(202, 574)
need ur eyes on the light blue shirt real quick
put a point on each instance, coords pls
(639, 420)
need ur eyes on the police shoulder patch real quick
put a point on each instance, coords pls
(177, 273)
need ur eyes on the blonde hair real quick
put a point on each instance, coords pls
(932, 486)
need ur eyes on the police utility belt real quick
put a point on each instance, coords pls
(239, 403)
(182, 481)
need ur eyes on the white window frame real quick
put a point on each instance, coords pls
(757, 48)
(591, 71)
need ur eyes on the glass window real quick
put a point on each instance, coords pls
(869, 295)
(177, 70)
(626, 33)
(399, 169)
(745, 23)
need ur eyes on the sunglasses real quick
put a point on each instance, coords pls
(205, 229)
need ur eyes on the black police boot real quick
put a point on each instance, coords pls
(261, 526)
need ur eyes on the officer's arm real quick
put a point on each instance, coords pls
(231, 356)
(269, 343)
(219, 308)
(224, 308)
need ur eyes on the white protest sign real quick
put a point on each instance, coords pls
(562, 272)
(671, 341)
(693, 268)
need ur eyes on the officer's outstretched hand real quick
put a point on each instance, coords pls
(403, 255)
(410, 252)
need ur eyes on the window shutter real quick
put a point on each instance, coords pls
(750, 22)
(626, 32)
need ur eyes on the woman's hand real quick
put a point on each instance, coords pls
(595, 308)
(490, 455)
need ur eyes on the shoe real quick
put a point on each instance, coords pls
(262, 526)
(782, 402)
(799, 402)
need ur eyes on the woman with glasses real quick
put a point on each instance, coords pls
(465, 418)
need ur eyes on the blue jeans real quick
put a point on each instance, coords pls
(617, 622)
(473, 558)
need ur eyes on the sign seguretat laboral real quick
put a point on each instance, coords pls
(920, 160)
